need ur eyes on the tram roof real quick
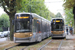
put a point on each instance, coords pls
(33, 14)
(57, 18)
(22, 13)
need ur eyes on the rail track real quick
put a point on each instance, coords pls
(21, 46)
(60, 45)
(18, 45)
(11, 47)
(45, 44)
(42, 47)
(33, 44)
(24, 48)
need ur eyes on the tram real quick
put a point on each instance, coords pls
(57, 27)
(30, 27)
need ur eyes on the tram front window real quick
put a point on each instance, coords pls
(57, 27)
(23, 26)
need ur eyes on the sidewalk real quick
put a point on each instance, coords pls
(69, 36)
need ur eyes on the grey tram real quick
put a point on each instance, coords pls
(30, 27)
(57, 27)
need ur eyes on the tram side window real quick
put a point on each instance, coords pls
(35, 26)
(49, 28)
(45, 27)
(42, 27)
(38, 26)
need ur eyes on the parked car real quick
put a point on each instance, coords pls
(6, 33)
(1, 35)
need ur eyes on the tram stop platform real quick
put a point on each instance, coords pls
(70, 36)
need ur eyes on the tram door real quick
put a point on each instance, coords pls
(38, 26)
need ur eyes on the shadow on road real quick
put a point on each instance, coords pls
(27, 44)
(57, 38)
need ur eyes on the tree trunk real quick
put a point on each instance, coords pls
(11, 17)
(74, 18)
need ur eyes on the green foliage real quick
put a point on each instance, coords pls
(36, 6)
(4, 20)
(69, 4)
(69, 17)
(58, 15)
(1, 29)
(11, 6)
(52, 15)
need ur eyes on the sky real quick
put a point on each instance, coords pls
(1, 11)
(54, 6)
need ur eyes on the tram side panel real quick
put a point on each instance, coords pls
(47, 28)
(37, 30)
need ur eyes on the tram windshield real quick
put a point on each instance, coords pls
(57, 27)
(23, 26)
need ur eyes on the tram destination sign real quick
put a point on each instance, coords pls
(57, 20)
(23, 17)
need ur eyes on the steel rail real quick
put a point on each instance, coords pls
(11, 47)
(60, 45)
(44, 45)
(24, 48)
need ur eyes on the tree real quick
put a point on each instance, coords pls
(58, 15)
(4, 21)
(36, 6)
(52, 15)
(69, 17)
(13, 6)
(10, 7)
(4, 18)
(69, 4)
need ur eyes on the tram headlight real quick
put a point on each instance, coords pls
(31, 34)
(63, 31)
(51, 31)
(14, 35)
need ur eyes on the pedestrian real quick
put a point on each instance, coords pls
(71, 30)
(67, 31)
